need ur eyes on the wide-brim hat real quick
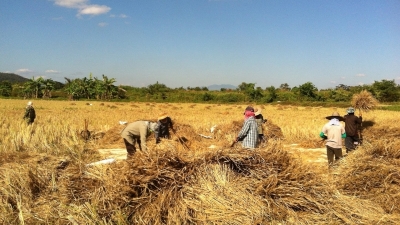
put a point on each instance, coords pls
(335, 115)
(162, 116)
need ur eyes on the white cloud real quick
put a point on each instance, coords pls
(71, 3)
(120, 16)
(360, 75)
(333, 82)
(83, 6)
(102, 24)
(94, 10)
(23, 71)
(52, 71)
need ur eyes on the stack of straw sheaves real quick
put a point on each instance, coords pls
(265, 186)
(364, 101)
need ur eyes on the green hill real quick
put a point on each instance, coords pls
(12, 78)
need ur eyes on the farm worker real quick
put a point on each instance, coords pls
(164, 124)
(137, 131)
(260, 120)
(248, 134)
(351, 126)
(333, 132)
(30, 113)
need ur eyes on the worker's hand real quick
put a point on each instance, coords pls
(265, 120)
(158, 140)
(173, 130)
(237, 139)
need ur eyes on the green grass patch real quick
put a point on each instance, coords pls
(390, 107)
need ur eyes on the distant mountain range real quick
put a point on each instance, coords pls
(217, 87)
(12, 78)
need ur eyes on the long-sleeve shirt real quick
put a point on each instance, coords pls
(334, 134)
(249, 133)
(30, 113)
(137, 130)
(163, 128)
(260, 120)
(351, 124)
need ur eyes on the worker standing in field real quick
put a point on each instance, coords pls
(333, 132)
(248, 134)
(164, 123)
(351, 126)
(30, 113)
(260, 120)
(137, 131)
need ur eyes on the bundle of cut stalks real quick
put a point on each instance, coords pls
(364, 101)
(373, 174)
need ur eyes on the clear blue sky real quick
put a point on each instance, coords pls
(197, 43)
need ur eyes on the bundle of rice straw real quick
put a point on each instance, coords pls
(364, 101)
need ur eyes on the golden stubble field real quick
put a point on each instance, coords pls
(45, 180)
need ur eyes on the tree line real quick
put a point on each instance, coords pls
(104, 88)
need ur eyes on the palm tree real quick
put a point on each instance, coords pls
(72, 88)
(108, 86)
(48, 86)
(32, 87)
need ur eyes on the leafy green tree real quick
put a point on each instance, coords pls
(336, 95)
(250, 91)
(32, 88)
(386, 90)
(342, 87)
(284, 87)
(47, 86)
(72, 88)
(5, 88)
(272, 94)
(108, 86)
(153, 89)
(308, 90)
(207, 97)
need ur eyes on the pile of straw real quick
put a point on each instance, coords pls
(203, 186)
(373, 174)
(364, 101)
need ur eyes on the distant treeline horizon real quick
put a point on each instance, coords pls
(93, 88)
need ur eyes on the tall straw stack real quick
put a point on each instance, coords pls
(364, 101)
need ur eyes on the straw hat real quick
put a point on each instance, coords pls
(162, 116)
(29, 103)
(258, 111)
(335, 115)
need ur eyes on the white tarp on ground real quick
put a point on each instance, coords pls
(116, 153)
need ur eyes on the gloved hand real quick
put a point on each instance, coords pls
(265, 120)
(158, 140)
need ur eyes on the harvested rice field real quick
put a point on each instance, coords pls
(50, 172)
